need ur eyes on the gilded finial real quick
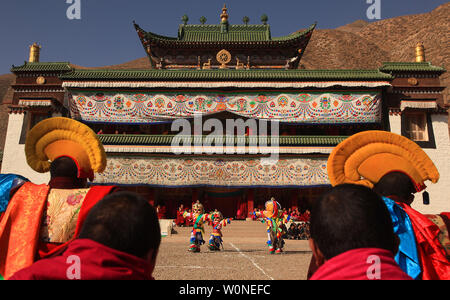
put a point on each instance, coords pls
(420, 52)
(224, 15)
(34, 53)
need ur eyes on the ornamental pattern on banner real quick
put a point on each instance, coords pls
(314, 108)
(213, 171)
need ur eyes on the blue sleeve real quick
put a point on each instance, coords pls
(7, 183)
(407, 256)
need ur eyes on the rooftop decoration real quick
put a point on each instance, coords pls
(34, 52)
(264, 19)
(185, 19)
(224, 15)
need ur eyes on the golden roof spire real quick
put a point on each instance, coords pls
(224, 15)
(420, 52)
(34, 53)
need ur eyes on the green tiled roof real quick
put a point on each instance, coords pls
(208, 34)
(212, 33)
(410, 66)
(43, 67)
(166, 140)
(218, 74)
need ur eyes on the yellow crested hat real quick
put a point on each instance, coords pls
(367, 156)
(57, 137)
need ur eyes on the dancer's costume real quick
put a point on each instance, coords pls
(275, 220)
(40, 220)
(218, 222)
(365, 158)
(199, 218)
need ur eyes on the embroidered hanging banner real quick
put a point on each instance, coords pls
(141, 108)
(214, 171)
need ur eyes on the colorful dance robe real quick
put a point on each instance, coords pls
(198, 229)
(274, 225)
(21, 225)
(216, 234)
(421, 255)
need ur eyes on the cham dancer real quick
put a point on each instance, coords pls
(275, 220)
(218, 222)
(199, 218)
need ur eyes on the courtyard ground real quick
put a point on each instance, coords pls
(245, 256)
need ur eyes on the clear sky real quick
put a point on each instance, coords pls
(104, 35)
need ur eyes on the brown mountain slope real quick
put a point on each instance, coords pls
(367, 45)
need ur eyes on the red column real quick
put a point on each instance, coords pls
(250, 201)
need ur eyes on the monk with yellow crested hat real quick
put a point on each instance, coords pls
(396, 168)
(40, 220)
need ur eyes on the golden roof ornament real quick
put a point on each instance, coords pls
(224, 15)
(35, 50)
(40, 80)
(420, 52)
(223, 57)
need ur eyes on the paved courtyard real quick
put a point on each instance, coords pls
(245, 256)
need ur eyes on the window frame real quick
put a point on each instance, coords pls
(430, 143)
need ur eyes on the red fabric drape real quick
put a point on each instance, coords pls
(435, 265)
(19, 228)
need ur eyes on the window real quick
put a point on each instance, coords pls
(417, 126)
(36, 118)
(29, 121)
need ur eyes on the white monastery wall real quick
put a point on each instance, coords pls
(14, 160)
(439, 192)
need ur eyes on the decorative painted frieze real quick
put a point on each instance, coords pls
(299, 107)
(213, 171)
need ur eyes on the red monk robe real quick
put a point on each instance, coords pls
(20, 227)
(180, 221)
(360, 264)
(98, 263)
